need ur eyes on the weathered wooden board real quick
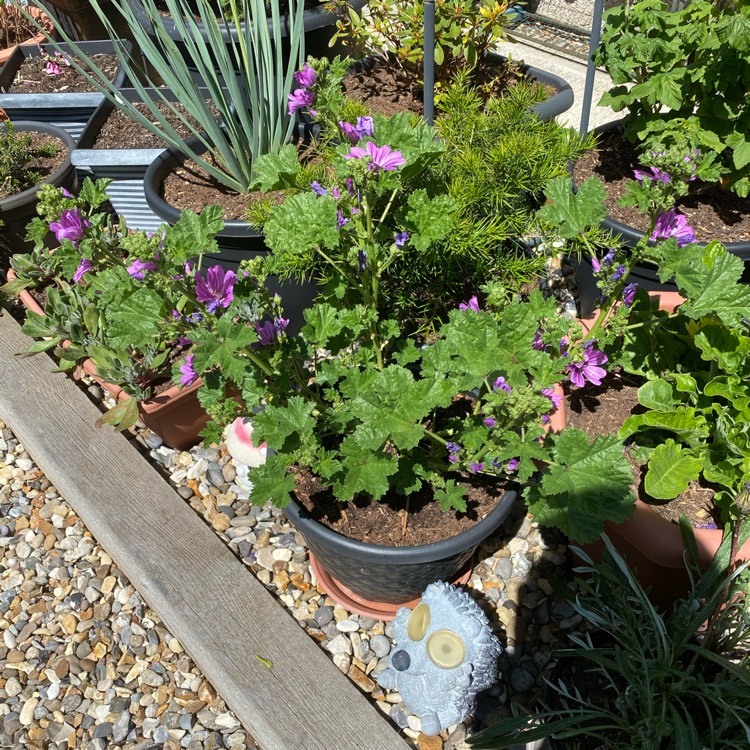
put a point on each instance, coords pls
(223, 616)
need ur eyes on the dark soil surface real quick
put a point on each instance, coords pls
(387, 89)
(390, 522)
(714, 214)
(119, 131)
(31, 77)
(601, 411)
(14, 28)
(42, 165)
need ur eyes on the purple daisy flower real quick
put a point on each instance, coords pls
(628, 294)
(189, 375)
(672, 224)
(70, 225)
(217, 289)
(589, 368)
(501, 385)
(138, 268)
(83, 268)
(472, 304)
(306, 76)
(300, 99)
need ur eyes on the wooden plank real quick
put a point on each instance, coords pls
(221, 613)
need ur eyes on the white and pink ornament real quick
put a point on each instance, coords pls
(240, 446)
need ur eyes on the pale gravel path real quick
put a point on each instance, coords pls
(84, 663)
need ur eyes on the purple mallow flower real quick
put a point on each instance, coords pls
(365, 128)
(609, 258)
(672, 224)
(513, 464)
(138, 268)
(217, 289)
(628, 294)
(300, 99)
(595, 264)
(189, 375)
(306, 76)
(472, 304)
(656, 175)
(83, 268)
(381, 157)
(341, 220)
(501, 385)
(317, 188)
(555, 398)
(401, 238)
(589, 368)
(475, 468)
(70, 225)
(489, 422)
(452, 447)
(619, 272)
(269, 331)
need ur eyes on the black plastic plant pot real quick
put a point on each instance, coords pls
(237, 241)
(394, 575)
(68, 110)
(319, 25)
(17, 210)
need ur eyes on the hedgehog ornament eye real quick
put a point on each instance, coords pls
(419, 621)
(446, 649)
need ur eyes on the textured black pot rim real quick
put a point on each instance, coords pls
(631, 235)
(20, 199)
(314, 18)
(364, 551)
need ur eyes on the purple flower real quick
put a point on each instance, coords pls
(335, 193)
(401, 238)
(538, 343)
(475, 468)
(452, 447)
(350, 187)
(595, 264)
(300, 99)
(138, 268)
(317, 188)
(453, 458)
(306, 76)
(70, 226)
(555, 398)
(84, 267)
(382, 157)
(472, 304)
(362, 257)
(189, 375)
(628, 294)
(619, 272)
(194, 318)
(490, 422)
(217, 290)
(176, 315)
(588, 368)
(513, 464)
(341, 220)
(501, 385)
(672, 224)
(656, 175)
(280, 324)
(183, 341)
(66, 193)
(52, 69)
(563, 344)
(609, 258)
(364, 128)
(266, 333)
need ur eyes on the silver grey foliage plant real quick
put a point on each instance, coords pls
(248, 75)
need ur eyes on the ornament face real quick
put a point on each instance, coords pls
(445, 654)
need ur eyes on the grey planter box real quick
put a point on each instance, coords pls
(68, 110)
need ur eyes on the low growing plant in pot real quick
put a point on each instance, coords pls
(669, 68)
(646, 680)
(15, 29)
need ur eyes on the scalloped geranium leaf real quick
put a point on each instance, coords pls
(275, 171)
(430, 219)
(572, 213)
(302, 223)
(276, 423)
(272, 481)
(136, 320)
(363, 470)
(451, 497)
(670, 470)
(586, 485)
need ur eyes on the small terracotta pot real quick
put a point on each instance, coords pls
(175, 415)
(39, 38)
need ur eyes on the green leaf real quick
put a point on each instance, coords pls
(430, 219)
(304, 221)
(272, 481)
(723, 346)
(121, 416)
(685, 421)
(276, 423)
(670, 470)
(15, 287)
(657, 394)
(740, 146)
(572, 213)
(451, 497)
(275, 171)
(136, 321)
(363, 470)
(588, 484)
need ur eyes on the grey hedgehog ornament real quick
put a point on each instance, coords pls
(445, 655)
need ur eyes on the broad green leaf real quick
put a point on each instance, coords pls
(276, 423)
(15, 287)
(363, 471)
(302, 223)
(452, 497)
(657, 394)
(275, 171)
(686, 422)
(670, 470)
(272, 481)
(430, 218)
(586, 485)
(740, 146)
(121, 416)
(323, 323)
(137, 319)
(572, 213)
(723, 346)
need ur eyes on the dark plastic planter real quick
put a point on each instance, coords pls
(394, 574)
(319, 25)
(237, 241)
(70, 111)
(17, 210)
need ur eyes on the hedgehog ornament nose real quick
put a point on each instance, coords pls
(400, 660)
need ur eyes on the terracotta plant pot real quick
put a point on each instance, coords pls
(175, 415)
(34, 39)
(384, 578)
